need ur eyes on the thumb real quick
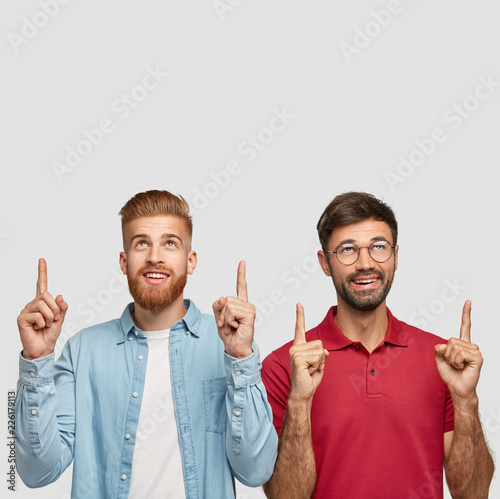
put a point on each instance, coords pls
(217, 307)
(63, 307)
(439, 351)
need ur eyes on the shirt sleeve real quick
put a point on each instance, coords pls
(45, 418)
(251, 442)
(276, 378)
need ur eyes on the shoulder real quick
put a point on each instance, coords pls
(206, 322)
(415, 335)
(97, 333)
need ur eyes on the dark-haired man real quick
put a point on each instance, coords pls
(154, 404)
(366, 405)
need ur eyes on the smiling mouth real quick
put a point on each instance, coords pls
(366, 281)
(155, 275)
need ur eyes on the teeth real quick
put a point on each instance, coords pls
(155, 275)
(365, 282)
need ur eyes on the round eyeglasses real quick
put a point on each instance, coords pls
(347, 254)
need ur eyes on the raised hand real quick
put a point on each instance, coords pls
(41, 320)
(459, 361)
(235, 319)
(307, 361)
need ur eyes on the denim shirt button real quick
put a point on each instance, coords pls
(135, 395)
(124, 477)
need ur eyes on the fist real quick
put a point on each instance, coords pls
(235, 319)
(307, 361)
(41, 320)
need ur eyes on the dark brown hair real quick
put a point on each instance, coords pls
(353, 207)
(150, 203)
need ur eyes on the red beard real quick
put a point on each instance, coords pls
(156, 298)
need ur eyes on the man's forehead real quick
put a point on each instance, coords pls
(156, 225)
(365, 231)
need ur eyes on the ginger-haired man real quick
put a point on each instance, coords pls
(156, 403)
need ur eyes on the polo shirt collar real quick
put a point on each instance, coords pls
(191, 320)
(333, 338)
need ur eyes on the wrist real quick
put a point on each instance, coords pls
(239, 354)
(27, 355)
(299, 403)
(465, 405)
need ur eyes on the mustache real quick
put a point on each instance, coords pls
(153, 268)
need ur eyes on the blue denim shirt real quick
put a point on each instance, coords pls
(86, 407)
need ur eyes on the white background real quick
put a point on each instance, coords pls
(230, 71)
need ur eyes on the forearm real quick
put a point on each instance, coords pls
(41, 453)
(469, 467)
(294, 474)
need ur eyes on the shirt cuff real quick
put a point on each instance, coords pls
(37, 372)
(243, 372)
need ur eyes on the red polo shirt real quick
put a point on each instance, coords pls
(377, 419)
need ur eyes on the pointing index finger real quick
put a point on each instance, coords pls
(241, 282)
(300, 326)
(466, 322)
(41, 283)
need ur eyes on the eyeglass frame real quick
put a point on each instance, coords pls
(359, 252)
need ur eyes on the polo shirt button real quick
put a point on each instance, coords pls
(140, 357)
(127, 436)
(32, 374)
(238, 373)
(135, 395)
(33, 412)
(372, 372)
(124, 477)
(357, 347)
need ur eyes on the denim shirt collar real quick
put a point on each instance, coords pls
(190, 321)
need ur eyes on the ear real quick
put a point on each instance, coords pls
(324, 263)
(396, 248)
(123, 262)
(192, 261)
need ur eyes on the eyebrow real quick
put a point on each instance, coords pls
(353, 241)
(163, 236)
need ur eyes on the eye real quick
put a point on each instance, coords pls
(170, 244)
(380, 246)
(141, 244)
(347, 249)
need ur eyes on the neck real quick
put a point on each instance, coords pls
(146, 320)
(368, 328)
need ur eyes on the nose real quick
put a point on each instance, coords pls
(364, 261)
(155, 256)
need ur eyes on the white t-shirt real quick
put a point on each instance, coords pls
(157, 462)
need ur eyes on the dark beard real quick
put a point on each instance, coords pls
(364, 301)
(156, 298)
